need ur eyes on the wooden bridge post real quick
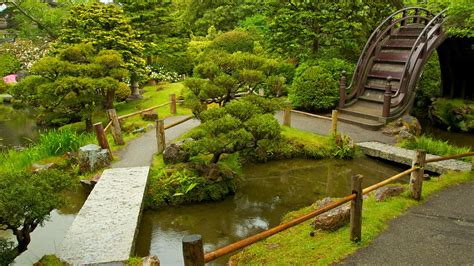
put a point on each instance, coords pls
(404, 22)
(417, 13)
(342, 89)
(193, 251)
(356, 209)
(387, 98)
(160, 136)
(116, 131)
(287, 117)
(416, 177)
(101, 137)
(173, 104)
(334, 122)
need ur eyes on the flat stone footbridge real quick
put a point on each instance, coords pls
(105, 228)
(405, 156)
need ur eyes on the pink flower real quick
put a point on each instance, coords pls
(10, 79)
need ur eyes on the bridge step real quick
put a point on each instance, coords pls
(360, 121)
(384, 74)
(381, 83)
(364, 109)
(399, 43)
(405, 156)
(105, 228)
(390, 57)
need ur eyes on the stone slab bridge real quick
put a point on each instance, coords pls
(405, 156)
(105, 228)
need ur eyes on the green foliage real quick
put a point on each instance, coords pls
(50, 260)
(428, 87)
(4, 87)
(433, 146)
(73, 84)
(7, 252)
(26, 52)
(233, 41)
(342, 147)
(50, 144)
(8, 64)
(246, 125)
(106, 27)
(27, 199)
(460, 21)
(333, 66)
(453, 114)
(314, 90)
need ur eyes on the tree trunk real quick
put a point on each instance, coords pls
(216, 157)
(23, 237)
(315, 46)
(109, 99)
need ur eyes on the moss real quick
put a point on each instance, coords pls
(296, 246)
(134, 261)
(50, 260)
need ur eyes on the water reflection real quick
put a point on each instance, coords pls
(267, 193)
(17, 128)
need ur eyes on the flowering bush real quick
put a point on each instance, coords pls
(26, 52)
(160, 74)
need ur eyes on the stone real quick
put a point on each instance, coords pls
(41, 167)
(411, 124)
(406, 127)
(386, 192)
(175, 153)
(151, 261)
(333, 219)
(149, 116)
(139, 130)
(92, 157)
(404, 134)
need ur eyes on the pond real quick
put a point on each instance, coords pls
(266, 193)
(456, 138)
(17, 128)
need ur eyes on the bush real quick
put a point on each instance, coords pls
(8, 64)
(122, 92)
(233, 41)
(428, 86)
(453, 114)
(314, 90)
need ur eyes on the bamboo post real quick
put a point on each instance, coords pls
(287, 117)
(342, 90)
(334, 122)
(356, 209)
(116, 131)
(193, 251)
(387, 98)
(416, 177)
(160, 135)
(101, 137)
(173, 104)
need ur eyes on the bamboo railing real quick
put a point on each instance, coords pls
(193, 252)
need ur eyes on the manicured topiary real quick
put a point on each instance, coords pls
(314, 90)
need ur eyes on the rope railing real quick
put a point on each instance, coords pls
(193, 252)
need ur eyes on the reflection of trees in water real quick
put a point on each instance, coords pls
(16, 127)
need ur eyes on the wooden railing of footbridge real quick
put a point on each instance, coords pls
(193, 251)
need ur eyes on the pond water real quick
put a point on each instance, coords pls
(17, 128)
(456, 138)
(266, 193)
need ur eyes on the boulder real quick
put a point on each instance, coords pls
(386, 192)
(333, 219)
(175, 153)
(151, 261)
(149, 116)
(41, 167)
(92, 157)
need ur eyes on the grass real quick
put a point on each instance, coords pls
(434, 146)
(296, 246)
(50, 260)
(50, 144)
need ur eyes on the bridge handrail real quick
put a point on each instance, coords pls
(425, 35)
(210, 256)
(360, 68)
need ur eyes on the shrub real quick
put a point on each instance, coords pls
(233, 41)
(314, 90)
(453, 114)
(8, 64)
(122, 92)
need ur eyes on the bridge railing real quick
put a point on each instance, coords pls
(193, 251)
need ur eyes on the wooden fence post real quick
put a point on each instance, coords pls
(160, 135)
(173, 104)
(193, 251)
(356, 209)
(116, 131)
(101, 137)
(334, 122)
(287, 117)
(416, 177)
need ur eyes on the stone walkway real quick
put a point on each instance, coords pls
(405, 156)
(105, 228)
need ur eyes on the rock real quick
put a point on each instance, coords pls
(41, 167)
(411, 124)
(386, 192)
(92, 157)
(175, 153)
(139, 130)
(333, 219)
(151, 261)
(149, 116)
(406, 127)
(405, 135)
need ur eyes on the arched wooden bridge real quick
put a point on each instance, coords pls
(384, 83)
